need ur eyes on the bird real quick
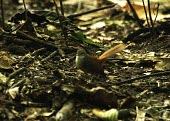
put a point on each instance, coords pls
(94, 65)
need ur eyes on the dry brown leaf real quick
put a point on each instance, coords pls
(5, 61)
(162, 64)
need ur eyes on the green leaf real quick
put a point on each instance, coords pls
(79, 36)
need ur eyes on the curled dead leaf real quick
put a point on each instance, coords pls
(110, 115)
(5, 61)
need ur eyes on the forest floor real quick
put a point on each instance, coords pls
(39, 78)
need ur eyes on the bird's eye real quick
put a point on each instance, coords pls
(81, 52)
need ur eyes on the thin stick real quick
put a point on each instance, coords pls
(135, 14)
(61, 8)
(26, 36)
(90, 11)
(25, 10)
(142, 77)
(17, 72)
(150, 17)
(157, 9)
(2, 11)
(61, 22)
(146, 16)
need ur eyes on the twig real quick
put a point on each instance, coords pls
(34, 104)
(90, 11)
(62, 8)
(25, 10)
(135, 14)
(18, 83)
(142, 77)
(146, 16)
(157, 9)
(50, 56)
(61, 21)
(2, 11)
(37, 52)
(15, 73)
(7, 102)
(26, 36)
(150, 17)
(64, 27)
